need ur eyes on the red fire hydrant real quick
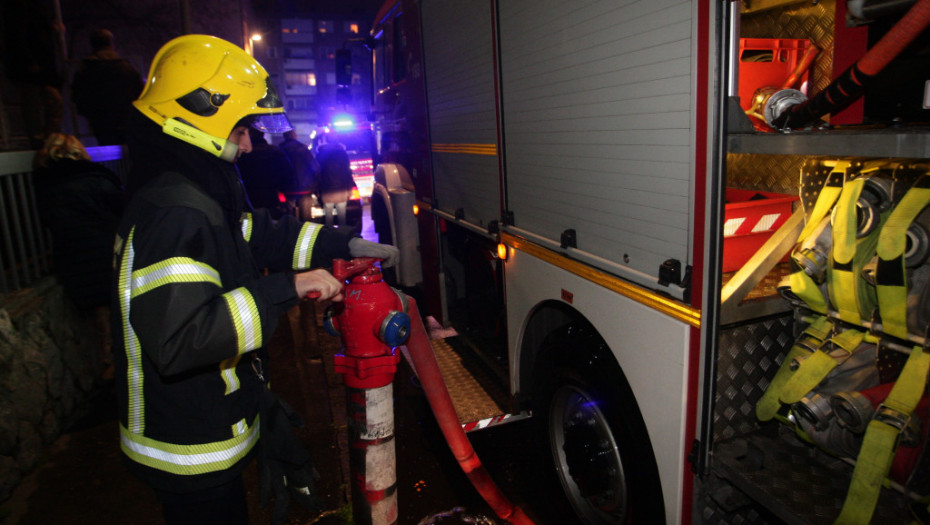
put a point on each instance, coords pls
(372, 322)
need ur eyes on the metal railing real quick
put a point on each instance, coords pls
(25, 244)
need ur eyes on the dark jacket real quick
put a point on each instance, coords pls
(80, 202)
(305, 165)
(267, 172)
(103, 89)
(193, 308)
(335, 169)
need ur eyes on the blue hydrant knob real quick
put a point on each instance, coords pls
(395, 328)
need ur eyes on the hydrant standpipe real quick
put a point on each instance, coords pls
(372, 322)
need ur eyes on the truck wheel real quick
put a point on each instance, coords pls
(594, 435)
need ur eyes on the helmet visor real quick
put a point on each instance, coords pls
(271, 123)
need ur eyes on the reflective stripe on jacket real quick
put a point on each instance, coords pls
(194, 304)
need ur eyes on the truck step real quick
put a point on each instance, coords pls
(480, 400)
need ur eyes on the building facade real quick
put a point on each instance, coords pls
(300, 55)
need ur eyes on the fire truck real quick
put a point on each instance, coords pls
(657, 222)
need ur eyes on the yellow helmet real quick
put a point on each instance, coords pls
(200, 87)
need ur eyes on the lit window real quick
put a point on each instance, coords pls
(351, 27)
(325, 26)
(302, 78)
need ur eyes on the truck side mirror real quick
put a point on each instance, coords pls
(343, 67)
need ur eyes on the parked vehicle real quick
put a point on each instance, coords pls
(612, 195)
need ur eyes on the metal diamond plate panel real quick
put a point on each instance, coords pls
(747, 359)
(775, 173)
(475, 394)
(795, 481)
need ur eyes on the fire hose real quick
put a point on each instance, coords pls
(372, 321)
(427, 369)
(850, 85)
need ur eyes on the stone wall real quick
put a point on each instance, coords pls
(50, 365)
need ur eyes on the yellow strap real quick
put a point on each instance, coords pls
(816, 367)
(801, 284)
(804, 287)
(842, 276)
(891, 277)
(844, 222)
(812, 337)
(831, 190)
(881, 440)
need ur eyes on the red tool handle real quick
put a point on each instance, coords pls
(343, 269)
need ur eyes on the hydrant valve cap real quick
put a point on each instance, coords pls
(395, 328)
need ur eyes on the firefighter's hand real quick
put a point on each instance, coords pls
(388, 254)
(318, 281)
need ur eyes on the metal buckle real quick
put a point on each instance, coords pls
(892, 417)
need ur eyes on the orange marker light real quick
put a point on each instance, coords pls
(502, 251)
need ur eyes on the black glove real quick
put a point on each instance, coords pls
(285, 467)
(359, 247)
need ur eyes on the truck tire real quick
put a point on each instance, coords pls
(590, 430)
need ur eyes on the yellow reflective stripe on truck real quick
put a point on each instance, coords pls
(471, 149)
(666, 305)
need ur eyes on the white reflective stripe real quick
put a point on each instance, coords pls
(228, 371)
(239, 428)
(168, 457)
(247, 226)
(766, 222)
(173, 270)
(304, 246)
(245, 319)
(134, 378)
(730, 227)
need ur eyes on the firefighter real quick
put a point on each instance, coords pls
(202, 280)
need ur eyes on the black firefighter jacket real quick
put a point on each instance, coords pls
(192, 306)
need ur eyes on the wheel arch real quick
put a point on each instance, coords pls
(544, 321)
(552, 325)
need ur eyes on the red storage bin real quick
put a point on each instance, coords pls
(768, 62)
(750, 218)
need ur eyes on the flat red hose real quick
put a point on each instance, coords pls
(427, 369)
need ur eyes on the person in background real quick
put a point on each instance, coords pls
(103, 89)
(267, 175)
(335, 183)
(306, 168)
(201, 281)
(80, 202)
